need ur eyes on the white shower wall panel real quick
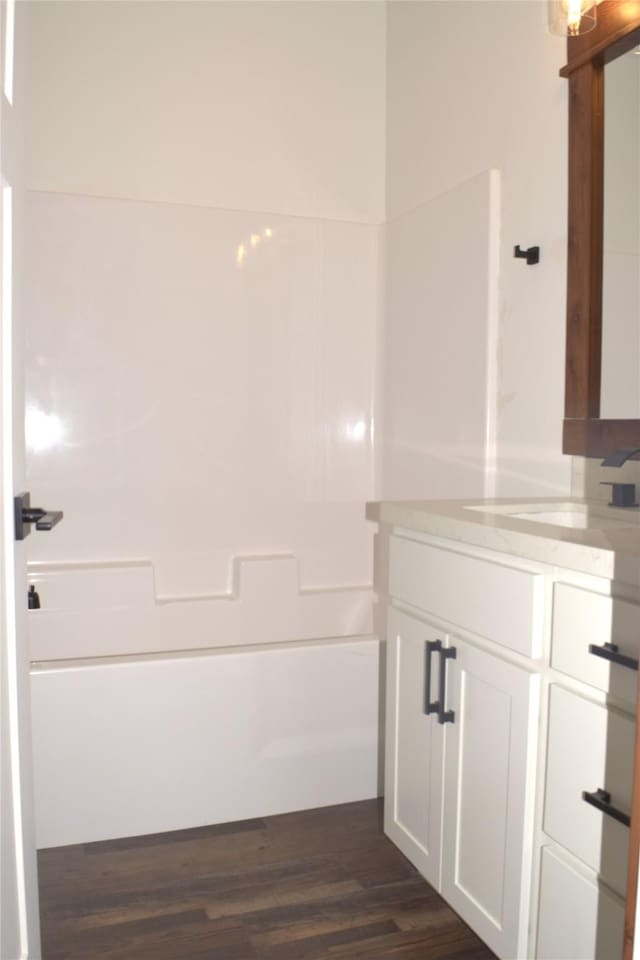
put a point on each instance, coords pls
(444, 130)
(440, 350)
(200, 388)
(107, 610)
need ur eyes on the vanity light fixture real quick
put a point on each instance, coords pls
(571, 18)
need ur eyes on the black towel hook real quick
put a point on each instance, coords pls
(532, 255)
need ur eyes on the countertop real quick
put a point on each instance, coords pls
(612, 552)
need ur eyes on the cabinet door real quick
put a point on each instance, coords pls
(488, 798)
(413, 777)
(578, 919)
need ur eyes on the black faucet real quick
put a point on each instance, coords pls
(618, 457)
(622, 494)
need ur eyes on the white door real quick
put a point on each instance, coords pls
(490, 759)
(19, 921)
(413, 787)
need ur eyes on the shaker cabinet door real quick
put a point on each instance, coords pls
(413, 778)
(488, 808)
(578, 918)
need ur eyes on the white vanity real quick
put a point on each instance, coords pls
(510, 717)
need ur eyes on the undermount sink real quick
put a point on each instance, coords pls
(579, 516)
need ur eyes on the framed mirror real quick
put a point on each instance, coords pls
(620, 359)
(593, 354)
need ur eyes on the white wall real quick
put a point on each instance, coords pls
(206, 190)
(472, 87)
(275, 107)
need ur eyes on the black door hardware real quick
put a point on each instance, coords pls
(25, 515)
(445, 716)
(601, 800)
(33, 598)
(609, 651)
(430, 706)
(532, 255)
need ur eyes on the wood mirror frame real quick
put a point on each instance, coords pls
(584, 433)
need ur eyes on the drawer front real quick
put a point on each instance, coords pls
(582, 618)
(577, 920)
(590, 747)
(501, 603)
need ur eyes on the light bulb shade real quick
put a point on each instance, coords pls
(571, 18)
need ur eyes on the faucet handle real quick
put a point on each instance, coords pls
(622, 494)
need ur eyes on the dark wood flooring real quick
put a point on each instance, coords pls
(317, 885)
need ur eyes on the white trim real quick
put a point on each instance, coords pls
(8, 565)
(40, 666)
(9, 48)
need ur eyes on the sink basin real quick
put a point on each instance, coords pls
(580, 516)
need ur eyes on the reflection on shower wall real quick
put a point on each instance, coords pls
(202, 329)
(190, 405)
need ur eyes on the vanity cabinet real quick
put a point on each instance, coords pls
(510, 725)
(461, 735)
(595, 640)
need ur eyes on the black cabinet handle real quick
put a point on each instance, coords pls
(445, 716)
(430, 706)
(609, 651)
(601, 800)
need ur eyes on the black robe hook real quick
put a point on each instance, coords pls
(532, 255)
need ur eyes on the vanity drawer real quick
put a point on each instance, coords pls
(499, 602)
(577, 919)
(581, 619)
(589, 747)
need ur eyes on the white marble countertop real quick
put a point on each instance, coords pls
(611, 551)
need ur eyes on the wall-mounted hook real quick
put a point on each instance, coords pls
(532, 255)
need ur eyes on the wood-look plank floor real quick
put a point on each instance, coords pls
(317, 885)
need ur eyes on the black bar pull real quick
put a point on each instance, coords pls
(445, 716)
(609, 651)
(430, 706)
(601, 800)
